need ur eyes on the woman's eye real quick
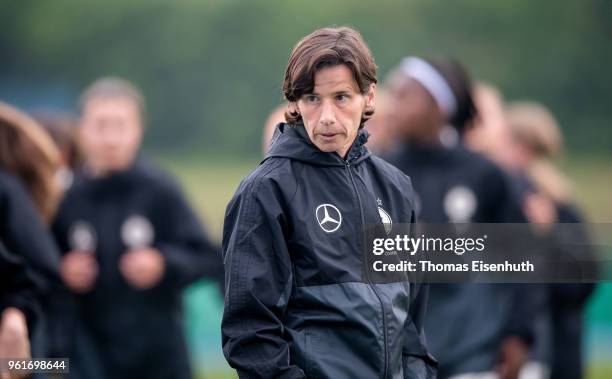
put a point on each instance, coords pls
(341, 97)
(311, 98)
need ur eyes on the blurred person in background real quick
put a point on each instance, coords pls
(474, 330)
(62, 128)
(491, 137)
(276, 117)
(60, 308)
(29, 154)
(382, 138)
(18, 309)
(131, 244)
(29, 193)
(535, 142)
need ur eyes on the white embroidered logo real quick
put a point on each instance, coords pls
(460, 204)
(137, 232)
(82, 237)
(328, 217)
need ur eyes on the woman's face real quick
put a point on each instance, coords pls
(413, 114)
(111, 132)
(332, 112)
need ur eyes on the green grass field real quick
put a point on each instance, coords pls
(210, 183)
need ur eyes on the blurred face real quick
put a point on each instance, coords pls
(111, 133)
(332, 113)
(412, 111)
(490, 134)
(518, 155)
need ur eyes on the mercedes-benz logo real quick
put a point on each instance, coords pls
(329, 217)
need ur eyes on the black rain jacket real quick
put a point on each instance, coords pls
(299, 302)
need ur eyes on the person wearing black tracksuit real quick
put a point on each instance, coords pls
(569, 300)
(28, 197)
(483, 315)
(131, 244)
(534, 142)
(473, 329)
(559, 324)
(135, 332)
(19, 306)
(25, 237)
(300, 301)
(17, 288)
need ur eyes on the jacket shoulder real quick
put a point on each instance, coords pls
(153, 174)
(12, 189)
(8, 183)
(272, 173)
(477, 162)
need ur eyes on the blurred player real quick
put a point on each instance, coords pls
(277, 116)
(475, 330)
(28, 198)
(490, 135)
(132, 243)
(535, 141)
(62, 127)
(382, 138)
(18, 309)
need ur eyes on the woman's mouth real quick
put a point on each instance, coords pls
(328, 136)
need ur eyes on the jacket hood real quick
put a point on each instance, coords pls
(292, 141)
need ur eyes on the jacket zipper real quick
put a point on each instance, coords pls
(382, 306)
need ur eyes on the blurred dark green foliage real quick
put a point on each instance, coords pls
(212, 70)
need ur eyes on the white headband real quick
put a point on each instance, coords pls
(434, 83)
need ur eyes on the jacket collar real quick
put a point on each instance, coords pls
(292, 141)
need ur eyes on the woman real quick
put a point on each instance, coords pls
(431, 109)
(535, 143)
(28, 198)
(300, 298)
(18, 307)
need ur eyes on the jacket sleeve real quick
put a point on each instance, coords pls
(417, 362)
(527, 299)
(575, 248)
(24, 234)
(258, 282)
(181, 238)
(17, 288)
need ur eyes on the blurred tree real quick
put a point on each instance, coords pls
(212, 70)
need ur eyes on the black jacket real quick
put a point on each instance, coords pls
(17, 289)
(467, 322)
(569, 300)
(299, 302)
(126, 332)
(23, 233)
(28, 241)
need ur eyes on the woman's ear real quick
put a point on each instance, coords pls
(370, 99)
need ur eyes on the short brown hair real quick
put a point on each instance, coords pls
(323, 48)
(113, 87)
(534, 126)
